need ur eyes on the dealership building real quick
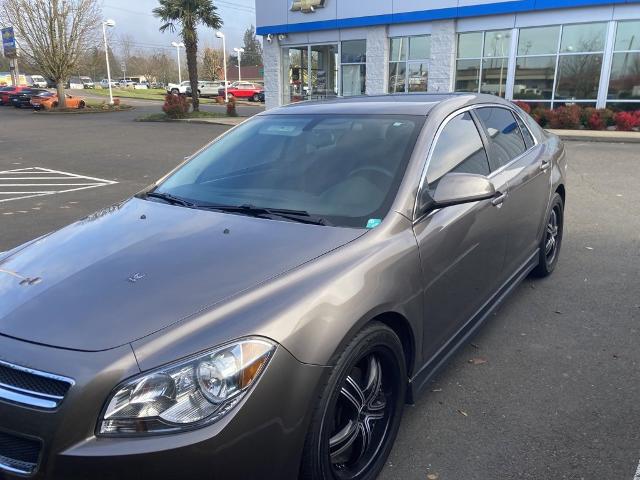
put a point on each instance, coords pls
(544, 52)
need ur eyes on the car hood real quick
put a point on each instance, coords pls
(138, 267)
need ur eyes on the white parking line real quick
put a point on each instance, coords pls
(37, 182)
(637, 475)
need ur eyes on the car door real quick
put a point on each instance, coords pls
(462, 247)
(517, 160)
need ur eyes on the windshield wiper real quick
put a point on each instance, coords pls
(172, 199)
(300, 216)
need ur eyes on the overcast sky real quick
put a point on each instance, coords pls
(134, 18)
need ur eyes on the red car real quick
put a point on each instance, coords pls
(246, 90)
(5, 92)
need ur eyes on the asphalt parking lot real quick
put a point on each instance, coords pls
(548, 389)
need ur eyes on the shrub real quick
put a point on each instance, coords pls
(565, 117)
(175, 106)
(524, 106)
(627, 121)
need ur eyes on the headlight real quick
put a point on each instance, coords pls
(188, 394)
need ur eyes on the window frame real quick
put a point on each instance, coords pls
(495, 168)
(407, 61)
(611, 102)
(471, 109)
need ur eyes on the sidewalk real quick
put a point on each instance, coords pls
(598, 136)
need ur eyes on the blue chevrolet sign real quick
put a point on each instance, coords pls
(8, 42)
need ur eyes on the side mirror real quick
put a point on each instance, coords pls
(459, 188)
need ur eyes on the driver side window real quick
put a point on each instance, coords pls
(459, 149)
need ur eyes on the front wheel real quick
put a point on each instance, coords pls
(551, 239)
(81, 105)
(358, 413)
(256, 98)
(175, 91)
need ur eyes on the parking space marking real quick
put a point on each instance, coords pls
(637, 475)
(22, 183)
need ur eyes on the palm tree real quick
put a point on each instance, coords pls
(187, 15)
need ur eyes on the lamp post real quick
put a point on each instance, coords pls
(224, 63)
(178, 46)
(239, 51)
(108, 23)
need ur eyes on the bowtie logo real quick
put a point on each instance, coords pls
(307, 6)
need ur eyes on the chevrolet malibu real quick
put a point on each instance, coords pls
(267, 308)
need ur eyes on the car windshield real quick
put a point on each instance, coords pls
(343, 169)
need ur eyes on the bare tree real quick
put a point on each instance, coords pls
(212, 63)
(53, 33)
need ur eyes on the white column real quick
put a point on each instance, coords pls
(442, 65)
(511, 69)
(273, 78)
(377, 60)
(605, 74)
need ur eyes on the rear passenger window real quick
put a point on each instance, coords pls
(505, 138)
(528, 139)
(458, 149)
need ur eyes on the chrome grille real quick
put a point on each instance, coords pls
(32, 387)
(18, 455)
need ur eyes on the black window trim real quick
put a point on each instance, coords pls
(471, 108)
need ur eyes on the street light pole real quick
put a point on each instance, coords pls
(178, 45)
(105, 24)
(224, 62)
(239, 51)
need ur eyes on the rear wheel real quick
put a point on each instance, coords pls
(551, 239)
(358, 414)
(81, 104)
(256, 98)
(175, 91)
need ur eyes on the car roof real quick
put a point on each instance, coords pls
(393, 104)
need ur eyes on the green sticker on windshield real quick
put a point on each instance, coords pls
(373, 222)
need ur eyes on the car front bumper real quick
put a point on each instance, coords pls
(262, 436)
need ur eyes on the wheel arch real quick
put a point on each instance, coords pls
(560, 190)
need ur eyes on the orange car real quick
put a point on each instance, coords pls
(49, 100)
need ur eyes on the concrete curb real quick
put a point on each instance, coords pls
(597, 136)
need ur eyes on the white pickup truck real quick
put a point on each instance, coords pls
(206, 88)
(178, 87)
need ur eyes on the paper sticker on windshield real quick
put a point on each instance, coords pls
(373, 222)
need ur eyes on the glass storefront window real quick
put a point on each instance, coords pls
(494, 76)
(538, 40)
(409, 64)
(419, 47)
(397, 77)
(467, 75)
(624, 82)
(324, 71)
(296, 74)
(353, 67)
(586, 37)
(534, 78)
(496, 43)
(354, 51)
(578, 77)
(398, 52)
(628, 36)
(470, 45)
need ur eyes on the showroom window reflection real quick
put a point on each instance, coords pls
(409, 64)
(482, 62)
(353, 66)
(624, 82)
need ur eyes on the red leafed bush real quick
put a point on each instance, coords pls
(565, 117)
(626, 121)
(524, 106)
(175, 106)
(594, 122)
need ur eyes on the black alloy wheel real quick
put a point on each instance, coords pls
(551, 239)
(359, 414)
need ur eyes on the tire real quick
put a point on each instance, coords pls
(81, 105)
(175, 91)
(551, 241)
(256, 98)
(374, 359)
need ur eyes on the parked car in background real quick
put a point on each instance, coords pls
(141, 86)
(6, 92)
(207, 88)
(176, 88)
(75, 83)
(51, 83)
(254, 316)
(87, 82)
(244, 90)
(104, 83)
(23, 97)
(49, 100)
(126, 82)
(38, 81)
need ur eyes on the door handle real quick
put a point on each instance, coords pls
(545, 165)
(499, 199)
